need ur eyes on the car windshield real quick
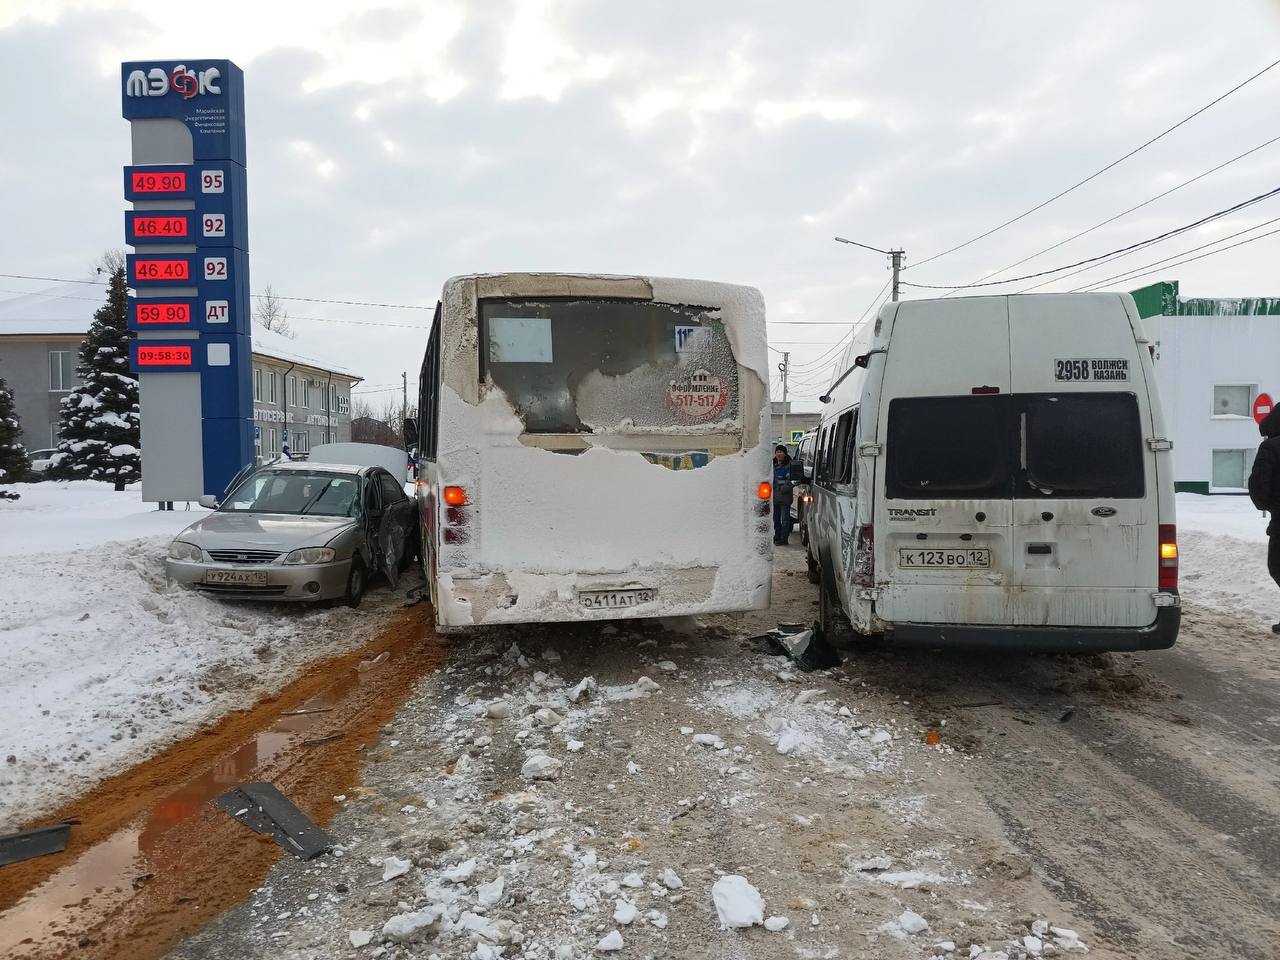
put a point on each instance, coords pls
(295, 492)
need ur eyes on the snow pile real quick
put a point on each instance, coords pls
(106, 661)
(1223, 555)
(737, 902)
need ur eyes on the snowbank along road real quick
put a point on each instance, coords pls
(659, 791)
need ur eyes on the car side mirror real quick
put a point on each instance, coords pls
(797, 471)
(208, 501)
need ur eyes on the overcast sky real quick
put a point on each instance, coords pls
(394, 146)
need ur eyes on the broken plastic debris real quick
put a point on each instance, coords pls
(269, 811)
(738, 904)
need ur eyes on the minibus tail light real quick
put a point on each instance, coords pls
(455, 496)
(765, 490)
(1168, 557)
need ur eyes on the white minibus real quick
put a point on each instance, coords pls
(995, 471)
(593, 448)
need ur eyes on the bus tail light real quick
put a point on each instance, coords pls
(765, 490)
(1168, 557)
(455, 496)
(457, 515)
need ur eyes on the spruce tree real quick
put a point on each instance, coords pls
(99, 421)
(13, 455)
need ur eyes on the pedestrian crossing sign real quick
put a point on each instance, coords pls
(797, 436)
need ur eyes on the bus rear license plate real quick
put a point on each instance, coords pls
(613, 599)
(967, 559)
(251, 578)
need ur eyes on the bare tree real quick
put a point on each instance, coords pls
(110, 261)
(270, 312)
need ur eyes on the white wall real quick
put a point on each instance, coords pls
(1195, 353)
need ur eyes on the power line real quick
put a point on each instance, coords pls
(874, 303)
(1098, 173)
(1074, 273)
(1104, 256)
(1125, 213)
(1165, 265)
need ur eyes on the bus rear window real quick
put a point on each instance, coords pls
(948, 448)
(1082, 445)
(594, 365)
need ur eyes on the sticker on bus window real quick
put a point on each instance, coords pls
(700, 397)
(691, 339)
(520, 340)
(1092, 371)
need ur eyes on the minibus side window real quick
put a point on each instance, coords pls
(941, 448)
(838, 444)
(824, 450)
(849, 467)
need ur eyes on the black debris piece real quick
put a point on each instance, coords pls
(804, 645)
(264, 809)
(29, 844)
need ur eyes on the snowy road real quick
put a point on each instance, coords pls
(1130, 799)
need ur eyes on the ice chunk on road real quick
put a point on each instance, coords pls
(645, 685)
(912, 922)
(881, 736)
(671, 880)
(633, 880)
(624, 912)
(586, 687)
(550, 655)
(738, 903)
(490, 893)
(686, 730)
(874, 863)
(541, 767)
(1033, 945)
(547, 717)
(805, 696)
(360, 938)
(610, 942)
(666, 666)
(632, 767)
(408, 927)
(657, 918)
(573, 746)
(788, 742)
(708, 740)
(498, 710)
(393, 867)
(460, 873)
(775, 924)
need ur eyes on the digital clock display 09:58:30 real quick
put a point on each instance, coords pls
(166, 356)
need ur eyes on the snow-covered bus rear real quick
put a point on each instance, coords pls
(593, 448)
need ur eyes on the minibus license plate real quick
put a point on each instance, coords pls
(611, 599)
(978, 558)
(254, 578)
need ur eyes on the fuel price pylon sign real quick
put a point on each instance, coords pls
(190, 273)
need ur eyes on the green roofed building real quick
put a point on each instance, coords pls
(1214, 358)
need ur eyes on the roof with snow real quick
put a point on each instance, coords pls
(68, 308)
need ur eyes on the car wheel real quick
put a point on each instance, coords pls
(815, 571)
(356, 581)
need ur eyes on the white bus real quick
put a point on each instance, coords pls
(593, 448)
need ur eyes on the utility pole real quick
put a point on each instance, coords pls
(895, 262)
(895, 259)
(784, 368)
(404, 404)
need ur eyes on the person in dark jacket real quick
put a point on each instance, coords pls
(1264, 490)
(782, 493)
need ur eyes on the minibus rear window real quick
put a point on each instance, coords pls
(1082, 445)
(948, 448)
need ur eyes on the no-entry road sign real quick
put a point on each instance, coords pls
(1261, 407)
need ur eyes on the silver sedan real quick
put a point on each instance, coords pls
(299, 531)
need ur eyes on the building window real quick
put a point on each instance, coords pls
(54, 436)
(1231, 469)
(1234, 400)
(300, 442)
(273, 387)
(306, 392)
(273, 447)
(257, 384)
(293, 391)
(62, 371)
(333, 398)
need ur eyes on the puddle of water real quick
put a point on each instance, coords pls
(79, 896)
